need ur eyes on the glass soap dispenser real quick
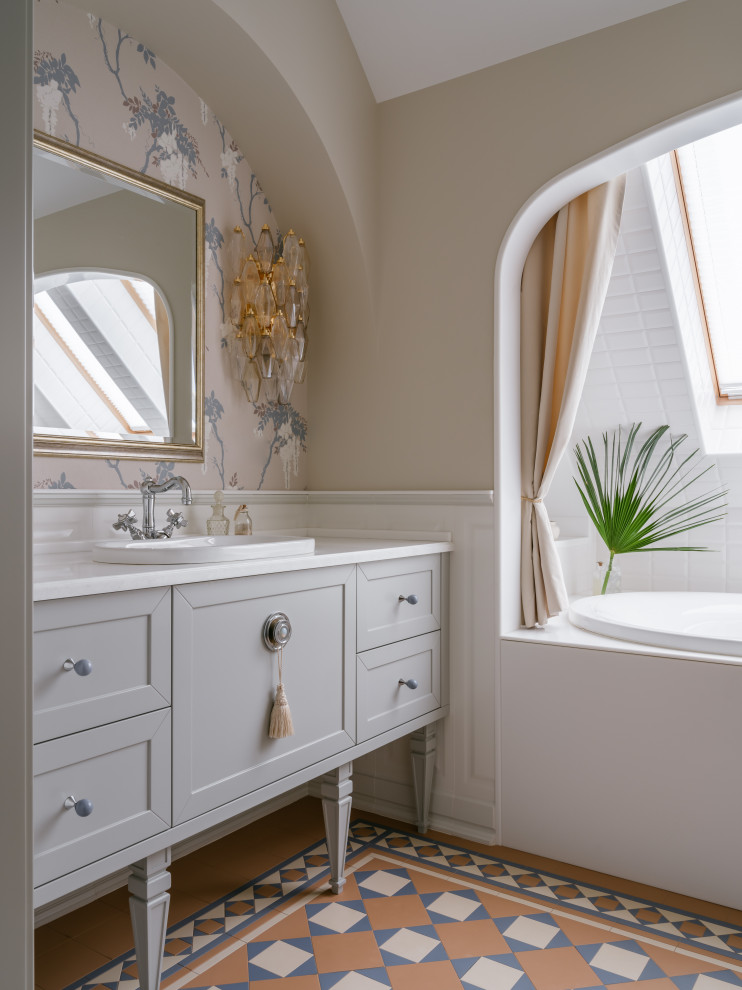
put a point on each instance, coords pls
(217, 524)
(242, 522)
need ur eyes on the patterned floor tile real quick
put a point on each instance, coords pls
(348, 916)
(361, 979)
(492, 973)
(422, 915)
(384, 883)
(454, 906)
(463, 939)
(285, 957)
(536, 931)
(410, 945)
(616, 962)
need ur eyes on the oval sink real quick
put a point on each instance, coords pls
(200, 549)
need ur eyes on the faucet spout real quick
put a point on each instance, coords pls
(149, 488)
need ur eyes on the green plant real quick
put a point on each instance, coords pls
(635, 500)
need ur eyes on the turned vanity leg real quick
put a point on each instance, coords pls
(149, 900)
(422, 752)
(336, 790)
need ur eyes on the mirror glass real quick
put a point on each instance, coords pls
(118, 310)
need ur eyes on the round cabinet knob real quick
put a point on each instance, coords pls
(410, 599)
(411, 683)
(81, 667)
(276, 631)
(83, 807)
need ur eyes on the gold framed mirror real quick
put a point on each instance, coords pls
(118, 310)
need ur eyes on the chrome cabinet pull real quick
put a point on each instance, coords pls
(276, 631)
(83, 807)
(81, 667)
(411, 683)
(410, 599)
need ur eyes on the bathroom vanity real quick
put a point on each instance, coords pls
(153, 688)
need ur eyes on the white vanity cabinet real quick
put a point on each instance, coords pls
(152, 705)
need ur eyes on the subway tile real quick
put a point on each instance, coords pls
(649, 281)
(661, 318)
(631, 356)
(620, 285)
(639, 390)
(601, 376)
(666, 354)
(675, 386)
(620, 264)
(654, 300)
(598, 361)
(640, 241)
(673, 369)
(622, 305)
(662, 337)
(620, 323)
(647, 407)
(644, 261)
(626, 339)
(635, 373)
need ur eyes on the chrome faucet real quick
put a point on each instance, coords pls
(149, 488)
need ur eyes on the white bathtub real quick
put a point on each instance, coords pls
(701, 622)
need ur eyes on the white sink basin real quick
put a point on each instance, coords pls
(200, 549)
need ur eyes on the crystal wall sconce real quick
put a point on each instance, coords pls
(269, 313)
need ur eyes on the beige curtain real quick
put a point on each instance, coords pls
(565, 280)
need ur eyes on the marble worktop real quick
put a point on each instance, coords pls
(69, 575)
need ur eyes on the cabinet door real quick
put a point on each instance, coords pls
(224, 680)
(126, 639)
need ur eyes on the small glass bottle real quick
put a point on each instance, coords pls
(217, 524)
(242, 522)
(614, 580)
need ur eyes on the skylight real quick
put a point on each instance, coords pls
(710, 172)
(101, 349)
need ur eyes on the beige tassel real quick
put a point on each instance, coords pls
(281, 724)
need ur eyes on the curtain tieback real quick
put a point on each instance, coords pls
(525, 498)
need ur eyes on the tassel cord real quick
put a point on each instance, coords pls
(281, 724)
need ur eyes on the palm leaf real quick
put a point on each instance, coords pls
(640, 498)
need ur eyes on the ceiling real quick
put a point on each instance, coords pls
(406, 45)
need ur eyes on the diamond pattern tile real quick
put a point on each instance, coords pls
(415, 910)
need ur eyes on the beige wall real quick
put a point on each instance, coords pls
(457, 162)
(402, 351)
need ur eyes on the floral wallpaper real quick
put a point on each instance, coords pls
(102, 90)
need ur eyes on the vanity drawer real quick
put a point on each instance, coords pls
(382, 617)
(126, 638)
(384, 703)
(123, 769)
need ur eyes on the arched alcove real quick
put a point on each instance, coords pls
(513, 251)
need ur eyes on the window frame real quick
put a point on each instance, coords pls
(721, 400)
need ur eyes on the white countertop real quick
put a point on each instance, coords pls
(68, 575)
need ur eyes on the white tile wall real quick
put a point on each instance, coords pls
(649, 364)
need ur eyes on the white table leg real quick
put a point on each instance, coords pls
(422, 752)
(336, 790)
(149, 900)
